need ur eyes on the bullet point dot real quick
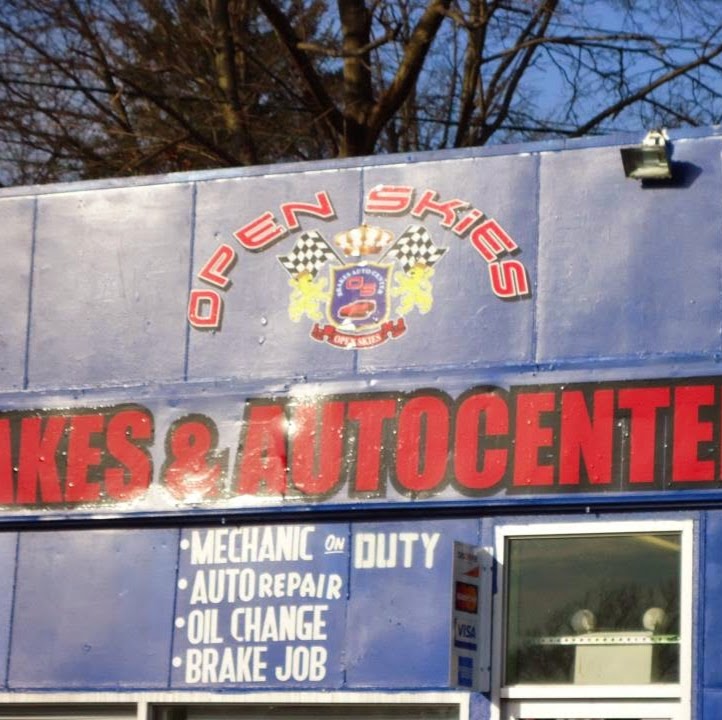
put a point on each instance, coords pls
(182, 584)
(177, 662)
(185, 544)
(180, 622)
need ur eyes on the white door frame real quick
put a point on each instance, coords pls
(673, 701)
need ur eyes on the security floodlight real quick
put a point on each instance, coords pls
(650, 160)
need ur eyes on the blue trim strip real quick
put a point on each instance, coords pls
(31, 277)
(465, 645)
(191, 260)
(171, 649)
(535, 280)
(587, 504)
(11, 619)
(556, 145)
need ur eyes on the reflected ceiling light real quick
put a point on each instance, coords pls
(650, 160)
(654, 619)
(583, 621)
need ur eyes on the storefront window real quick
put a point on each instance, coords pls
(593, 609)
(308, 712)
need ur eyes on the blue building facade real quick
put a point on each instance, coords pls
(435, 435)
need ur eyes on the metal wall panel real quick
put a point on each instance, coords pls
(257, 338)
(711, 704)
(467, 325)
(400, 632)
(93, 609)
(96, 609)
(8, 553)
(110, 286)
(16, 247)
(711, 607)
(626, 270)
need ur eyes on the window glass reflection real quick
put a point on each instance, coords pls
(593, 609)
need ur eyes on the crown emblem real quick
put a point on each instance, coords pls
(363, 241)
(365, 300)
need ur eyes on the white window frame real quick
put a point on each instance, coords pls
(139, 705)
(300, 698)
(673, 700)
(607, 709)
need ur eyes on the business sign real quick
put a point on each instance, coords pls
(231, 452)
(471, 618)
(260, 605)
(310, 605)
(357, 289)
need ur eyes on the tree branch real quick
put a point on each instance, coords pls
(63, 69)
(106, 70)
(411, 65)
(543, 17)
(217, 151)
(327, 112)
(472, 66)
(224, 56)
(643, 92)
(317, 49)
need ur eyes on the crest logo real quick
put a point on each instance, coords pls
(374, 281)
(357, 290)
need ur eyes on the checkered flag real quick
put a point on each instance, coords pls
(310, 253)
(415, 247)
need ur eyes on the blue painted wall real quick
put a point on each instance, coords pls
(100, 609)
(625, 283)
(98, 274)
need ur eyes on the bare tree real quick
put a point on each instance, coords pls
(92, 88)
